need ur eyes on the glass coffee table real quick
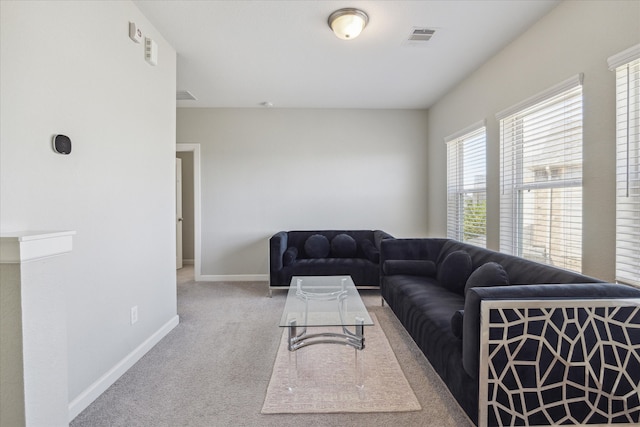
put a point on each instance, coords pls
(319, 302)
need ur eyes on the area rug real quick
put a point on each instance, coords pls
(325, 380)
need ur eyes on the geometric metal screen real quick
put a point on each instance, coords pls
(560, 362)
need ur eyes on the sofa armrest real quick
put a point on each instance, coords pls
(570, 291)
(557, 359)
(379, 236)
(277, 245)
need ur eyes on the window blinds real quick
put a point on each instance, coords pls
(628, 173)
(541, 177)
(467, 187)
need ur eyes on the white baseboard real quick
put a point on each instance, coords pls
(85, 398)
(233, 278)
(188, 262)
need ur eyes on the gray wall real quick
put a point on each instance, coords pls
(266, 170)
(70, 67)
(575, 37)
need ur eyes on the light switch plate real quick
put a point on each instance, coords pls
(150, 51)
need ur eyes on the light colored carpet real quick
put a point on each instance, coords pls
(325, 378)
(213, 369)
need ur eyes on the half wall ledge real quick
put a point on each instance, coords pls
(33, 318)
(24, 246)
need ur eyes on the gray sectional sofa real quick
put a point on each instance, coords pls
(437, 289)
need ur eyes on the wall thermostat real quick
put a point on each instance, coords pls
(135, 33)
(62, 144)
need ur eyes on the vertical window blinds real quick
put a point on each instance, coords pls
(467, 186)
(541, 177)
(628, 171)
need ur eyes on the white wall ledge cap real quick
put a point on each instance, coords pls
(24, 246)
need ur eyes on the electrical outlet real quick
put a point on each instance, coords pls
(134, 314)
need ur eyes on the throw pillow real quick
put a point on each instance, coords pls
(454, 271)
(317, 246)
(489, 274)
(370, 251)
(343, 246)
(409, 267)
(456, 323)
(289, 255)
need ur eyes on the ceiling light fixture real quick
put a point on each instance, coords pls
(348, 23)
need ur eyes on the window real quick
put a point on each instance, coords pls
(467, 186)
(628, 165)
(541, 177)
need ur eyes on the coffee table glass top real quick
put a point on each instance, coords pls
(324, 301)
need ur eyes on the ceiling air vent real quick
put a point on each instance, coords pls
(421, 35)
(185, 95)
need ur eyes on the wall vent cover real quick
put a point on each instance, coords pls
(185, 95)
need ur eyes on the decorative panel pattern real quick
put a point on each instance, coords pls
(560, 362)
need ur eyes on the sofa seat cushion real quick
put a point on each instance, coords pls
(425, 310)
(457, 323)
(422, 294)
(362, 271)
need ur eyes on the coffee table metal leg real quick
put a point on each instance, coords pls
(293, 371)
(297, 341)
(293, 358)
(359, 355)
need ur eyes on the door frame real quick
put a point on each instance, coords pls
(197, 230)
(179, 239)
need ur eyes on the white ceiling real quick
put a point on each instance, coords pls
(243, 53)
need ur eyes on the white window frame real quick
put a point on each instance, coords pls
(473, 140)
(626, 64)
(513, 187)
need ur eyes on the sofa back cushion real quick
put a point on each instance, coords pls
(519, 270)
(489, 274)
(454, 270)
(317, 246)
(411, 249)
(370, 251)
(409, 267)
(298, 238)
(343, 246)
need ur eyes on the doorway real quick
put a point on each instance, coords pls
(179, 218)
(194, 177)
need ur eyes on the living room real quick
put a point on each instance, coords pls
(66, 68)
